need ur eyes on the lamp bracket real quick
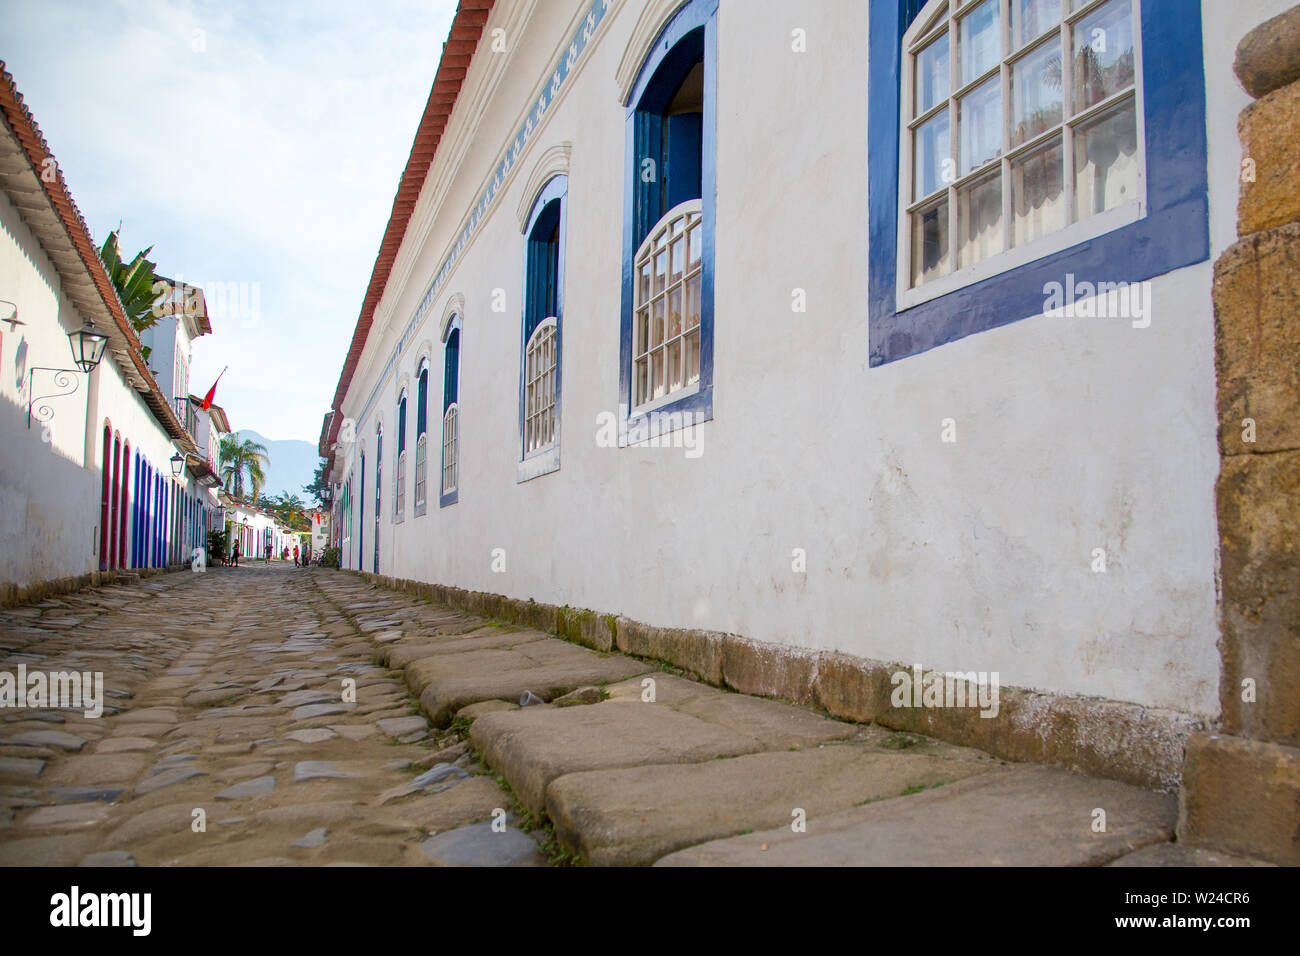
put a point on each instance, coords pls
(63, 377)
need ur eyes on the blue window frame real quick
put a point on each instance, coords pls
(421, 439)
(422, 402)
(670, 159)
(449, 474)
(540, 348)
(361, 517)
(379, 488)
(1172, 233)
(401, 425)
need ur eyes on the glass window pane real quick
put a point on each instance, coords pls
(695, 238)
(979, 219)
(675, 365)
(675, 313)
(693, 301)
(661, 269)
(657, 373)
(642, 380)
(1031, 18)
(1037, 193)
(1103, 53)
(678, 257)
(693, 357)
(642, 331)
(1105, 161)
(979, 118)
(1036, 92)
(930, 243)
(643, 287)
(657, 322)
(932, 148)
(932, 75)
(981, 41)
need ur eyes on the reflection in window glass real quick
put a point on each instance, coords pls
(1036, 92)
(1103, 53)
(1105, 161)
(1037, 193)
(932, 148)
(980, 120)
(981, 41)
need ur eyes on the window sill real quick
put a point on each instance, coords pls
(1076, 233)
(673, 413)
(537, 464)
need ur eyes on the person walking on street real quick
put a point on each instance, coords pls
(268, 552)
(295, 555)
(234, 552)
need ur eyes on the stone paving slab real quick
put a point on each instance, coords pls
(548, 668)
(1177, 855)
(535, 745)
(633, 816)
(486, 638)
(1022, 815)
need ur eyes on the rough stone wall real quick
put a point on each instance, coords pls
(1241, 788)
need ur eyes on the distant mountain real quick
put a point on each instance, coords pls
(293, 464)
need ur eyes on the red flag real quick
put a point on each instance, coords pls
(212, 392)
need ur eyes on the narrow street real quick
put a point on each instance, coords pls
(230, 735)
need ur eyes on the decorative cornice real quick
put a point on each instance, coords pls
(554, 161)
(654, 17)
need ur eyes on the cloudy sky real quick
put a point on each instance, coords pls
(258, 144)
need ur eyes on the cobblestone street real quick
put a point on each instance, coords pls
(231, 734)
(224, 693)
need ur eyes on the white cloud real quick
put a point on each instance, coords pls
(271, 155)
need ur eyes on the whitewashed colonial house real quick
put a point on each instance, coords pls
(101, 470)
(874, 328)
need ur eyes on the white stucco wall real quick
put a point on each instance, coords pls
(1073, 434)
(50, 478)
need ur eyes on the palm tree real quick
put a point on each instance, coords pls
(238, 457)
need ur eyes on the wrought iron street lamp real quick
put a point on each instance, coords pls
(88, 346)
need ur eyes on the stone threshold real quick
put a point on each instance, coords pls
(1120, 741)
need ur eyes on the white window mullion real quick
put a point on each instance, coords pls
(1067, 110)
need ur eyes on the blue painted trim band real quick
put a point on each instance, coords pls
(1173, 234)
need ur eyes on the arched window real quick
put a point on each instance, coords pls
(421, 438)
(123, 504)
(539, 418)
(115, 502)
(451, 415)
(399, 484)
(667, 326)
(379, 488)
(105, 494)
